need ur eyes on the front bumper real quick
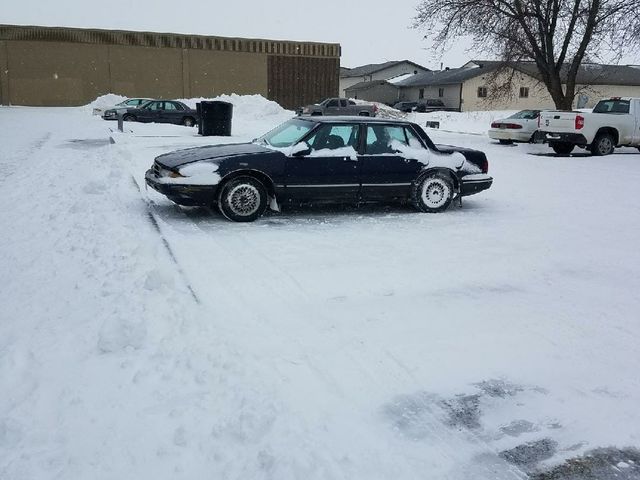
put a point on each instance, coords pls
(186, 195)
(560, 137)
(472, 184)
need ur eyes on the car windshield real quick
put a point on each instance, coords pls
(287, 134)
(145, 104)
(526, 115)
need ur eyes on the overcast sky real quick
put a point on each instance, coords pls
(370, 31)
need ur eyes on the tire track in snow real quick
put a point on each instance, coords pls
(156, 225)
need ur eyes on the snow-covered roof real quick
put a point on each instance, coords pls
(371, 68)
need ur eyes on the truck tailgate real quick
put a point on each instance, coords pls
(558, 121)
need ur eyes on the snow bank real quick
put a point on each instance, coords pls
(105, 101)
(244, 105)
(461, 122)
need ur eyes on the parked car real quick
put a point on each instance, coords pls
(614, 122)
(322, 160)
(158, 111)
(433, 105)
(339, 106)
(129, 103)
(406, 107)
(519, 127)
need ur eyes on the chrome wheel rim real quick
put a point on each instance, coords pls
(244, 200)
(435, 193)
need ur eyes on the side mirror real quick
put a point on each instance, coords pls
(301, 153)
(301, 149)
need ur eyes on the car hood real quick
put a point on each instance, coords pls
(211, 152)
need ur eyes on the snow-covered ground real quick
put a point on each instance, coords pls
(141, 340)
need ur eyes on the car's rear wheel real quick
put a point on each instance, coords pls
(188, 122)
(562, 148)
(604, 144)
(433, 193)
(129, 118)
(243, 199)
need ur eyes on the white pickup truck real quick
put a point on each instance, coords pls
(614, 122)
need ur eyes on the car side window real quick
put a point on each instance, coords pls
(155, 106)
(170, 106)
(381, 137)
(343, 103)
(334, 137)
(412, 138)
(333, 103)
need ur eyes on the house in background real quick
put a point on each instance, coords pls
(377, 71)
(468, 88)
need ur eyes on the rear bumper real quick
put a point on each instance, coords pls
(186, 195)
(506, 134)
(561, 137)
(472, 184)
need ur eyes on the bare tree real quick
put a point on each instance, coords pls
(558, 35)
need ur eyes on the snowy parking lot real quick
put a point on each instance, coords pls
(141, 340)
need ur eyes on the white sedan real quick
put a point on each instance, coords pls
(519, 127)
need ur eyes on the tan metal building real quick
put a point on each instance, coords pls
(53, 66)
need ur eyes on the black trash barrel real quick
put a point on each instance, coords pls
(215, 118)
(199, 112)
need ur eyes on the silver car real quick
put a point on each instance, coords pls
(129, 103)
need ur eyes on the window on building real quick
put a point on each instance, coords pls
(524, 92)
(441, 92)
(421, 93)
(482, 92)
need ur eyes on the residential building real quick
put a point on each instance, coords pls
(468, 88)
(377, 71)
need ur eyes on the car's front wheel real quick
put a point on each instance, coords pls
(603, 145)
(129, 118)
(562, 148)
(433, 193)
(243, 199)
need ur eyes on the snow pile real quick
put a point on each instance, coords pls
(105, 101)
(462, 122)
(244, 105)
(384, 111)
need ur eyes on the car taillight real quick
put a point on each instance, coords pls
(375, 108)
(512, 126)
(579, 122)
(495, 125)
(484, 165)
(539, 118)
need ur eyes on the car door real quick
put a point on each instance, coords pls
(150, 112)
(332, 107)
(171, 113)
(328, 170)
(386, 172)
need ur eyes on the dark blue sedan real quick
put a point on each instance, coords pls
(322, 160)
